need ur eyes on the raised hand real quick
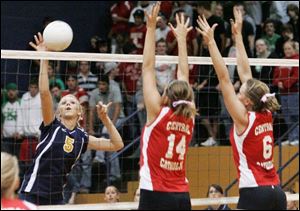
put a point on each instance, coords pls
(205, 30)
(182, 28)
(237, 23)
(153, 17)
(102, 110)
(39, 44)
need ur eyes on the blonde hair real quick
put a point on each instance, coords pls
(9, 173)
(255, 90)
(181, 90)
(80, 109)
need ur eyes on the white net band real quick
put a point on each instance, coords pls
(66, 56)
(134, 205)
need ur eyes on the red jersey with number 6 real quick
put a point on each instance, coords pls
(253, 151)
(164, 144)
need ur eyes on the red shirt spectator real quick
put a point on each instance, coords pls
(289, 76)
(120, 13)
(190, 39)
(137, 33)
(129, 73)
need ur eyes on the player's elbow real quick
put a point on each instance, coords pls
(118, 145)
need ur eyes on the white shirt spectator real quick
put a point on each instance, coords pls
(31, 109)
(13, 122)
(148, 9)
(161, 34)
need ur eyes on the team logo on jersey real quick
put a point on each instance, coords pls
(68, 146)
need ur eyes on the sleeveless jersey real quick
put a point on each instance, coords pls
(55, 156)
(164, 144)
(253, 151)
(16, 204)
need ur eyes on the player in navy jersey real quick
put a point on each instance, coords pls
(169, 127)
(252, 133)
(61, 143)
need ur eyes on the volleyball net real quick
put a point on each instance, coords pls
(203, 202)
(206, 164)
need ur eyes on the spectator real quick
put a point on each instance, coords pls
(287, 80)
(192, 43)
(86, 79)
(93, 44)
(121, 40)
(216, 191)
(30, 107)
(204, 8)
(264, 73)
(278, 11)
(53, 78)
(112, 194)
(102, 47)
(291, 205)
(254, 9)
(120, 13)
(55, 90)
(269, 34)
(10, 182)
(165, 73)
(162, 29)
(111, 70)
(186, 7)
(129, 74)
(142, 5)
(106, 93)
(286, 34)
(293, 13)
(11, 130)
(137, 33)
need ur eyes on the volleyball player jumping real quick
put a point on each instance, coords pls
(62, 142)
(169, 127)
(252, 134)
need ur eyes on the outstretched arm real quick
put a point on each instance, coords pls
(236, 109)
(115, 142)
(180, 32)
(151, 95)
(46, 98)
(243, 66)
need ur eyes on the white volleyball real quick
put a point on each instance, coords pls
(58, 35)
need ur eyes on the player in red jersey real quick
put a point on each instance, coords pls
(169, 127)
(252, 133)
(10, 182)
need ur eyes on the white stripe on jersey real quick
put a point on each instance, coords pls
(37, 163)
(247, 178)
(145, 181)
(42, 141)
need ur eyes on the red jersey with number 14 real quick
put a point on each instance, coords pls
(253, 151)
(164, 144)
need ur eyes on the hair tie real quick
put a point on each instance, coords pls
(179, 102)
(266, 96)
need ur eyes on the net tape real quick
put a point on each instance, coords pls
(71, 56)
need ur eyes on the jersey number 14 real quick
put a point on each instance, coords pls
(180, 148)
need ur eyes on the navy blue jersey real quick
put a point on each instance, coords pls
(55, 156)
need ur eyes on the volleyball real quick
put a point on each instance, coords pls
(58, 35)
